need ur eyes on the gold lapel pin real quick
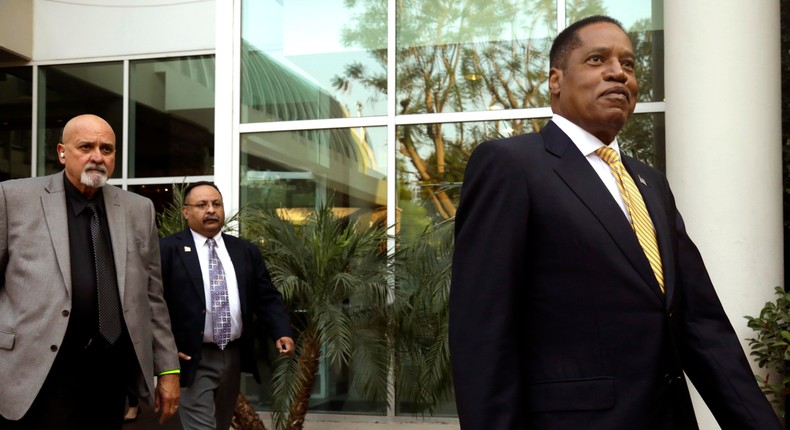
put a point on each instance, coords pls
(642, 180)
(187, 249)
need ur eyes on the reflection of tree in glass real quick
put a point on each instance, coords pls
(580, 9)
(642, 136)
(461, 56)
(454, 56)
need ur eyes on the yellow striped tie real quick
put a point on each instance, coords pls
(640, 219)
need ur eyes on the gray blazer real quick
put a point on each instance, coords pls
(35, 294)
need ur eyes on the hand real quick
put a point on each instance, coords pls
(183, 356)
(285, 345)
(167, 396)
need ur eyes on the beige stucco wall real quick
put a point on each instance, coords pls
(16, 27)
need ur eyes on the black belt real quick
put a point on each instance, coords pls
(213, 345)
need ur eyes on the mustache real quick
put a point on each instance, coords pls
(210, 218)
(94, 166)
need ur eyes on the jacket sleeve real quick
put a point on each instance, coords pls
(710, 352)
(165, 354)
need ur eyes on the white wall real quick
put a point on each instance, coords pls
(102, 28)
(724, 146)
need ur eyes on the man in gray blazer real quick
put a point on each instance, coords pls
(82, 317)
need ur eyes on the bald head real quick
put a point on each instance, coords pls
(87, 151)
(82, 121)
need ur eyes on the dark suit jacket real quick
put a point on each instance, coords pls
(556, 320)
(185, 296)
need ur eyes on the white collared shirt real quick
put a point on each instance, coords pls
(201, 243)
(588, 144)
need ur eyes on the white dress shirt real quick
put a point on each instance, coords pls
(201, 243)
(588, 144)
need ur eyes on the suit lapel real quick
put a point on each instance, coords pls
(54, 207)
(576, 172)
(660, 223)
(116, 220)
(189, 256)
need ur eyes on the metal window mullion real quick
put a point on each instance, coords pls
(125, 133)
(560, 15)
(224, 89)
(235, 135)
(34, 124)
(392, 149)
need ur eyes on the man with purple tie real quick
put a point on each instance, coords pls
(214, 283)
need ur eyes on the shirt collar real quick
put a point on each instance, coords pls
(586, 142)
(200, 240)
(78, 201)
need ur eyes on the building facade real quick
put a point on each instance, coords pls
(376, 104)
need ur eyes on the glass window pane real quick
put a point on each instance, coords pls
(434, 156)
(171, 117)
(296, 169)
(160, 194)
(473, 55)
(431, 166)
(16, 122)
(643, 138)
(644, 21)
(291, 172)
(305, 59)
(66, 91)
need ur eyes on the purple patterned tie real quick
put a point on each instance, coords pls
(220, 308)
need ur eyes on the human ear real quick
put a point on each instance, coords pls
(555, 76)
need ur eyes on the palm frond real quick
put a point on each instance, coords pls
(423, 274)
(333, 274)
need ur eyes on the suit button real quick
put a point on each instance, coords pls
(65, 313)
(53, 348)
(672, 379)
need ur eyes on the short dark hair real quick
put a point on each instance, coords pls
(568, 39)
(194, 185)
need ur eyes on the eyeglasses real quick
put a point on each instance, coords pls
(204, 205)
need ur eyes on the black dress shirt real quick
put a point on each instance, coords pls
(84, 319)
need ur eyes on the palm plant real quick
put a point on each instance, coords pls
(171, 220)
(333, 274)
(423, 276)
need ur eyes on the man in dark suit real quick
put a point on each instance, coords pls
(82, 317)
(578, 300)
(214, 283)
